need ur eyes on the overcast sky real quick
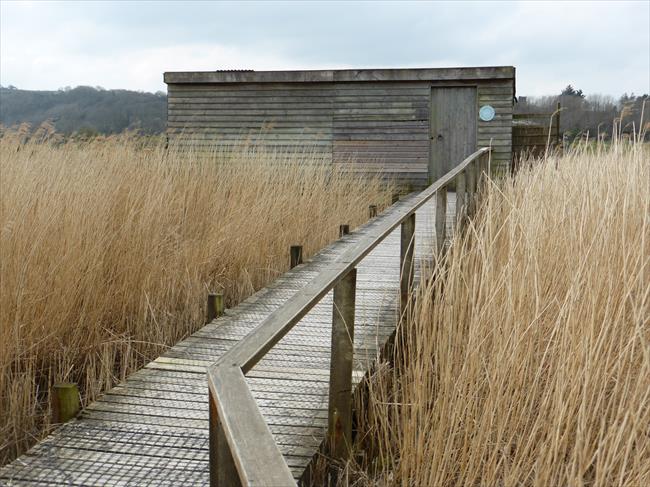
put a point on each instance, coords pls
(600, 47)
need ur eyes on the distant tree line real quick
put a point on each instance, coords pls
(85, 110)
(592, 114)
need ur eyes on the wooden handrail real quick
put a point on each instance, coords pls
(242, 448)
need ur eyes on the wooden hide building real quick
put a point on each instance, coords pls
(408, 124)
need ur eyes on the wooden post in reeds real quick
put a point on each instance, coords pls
(472, 171)
(477, 174)
(341, 365)
(480, 182)
(485, 163)
(344, 230)
(441, 219)
(372, 211)
(295, 256)
(488, 168)
(395, 198)
(406, 262)
(215, 307)
(64, 401)
(461, 201)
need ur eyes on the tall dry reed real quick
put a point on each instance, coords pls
(528, 362)
(108, 248)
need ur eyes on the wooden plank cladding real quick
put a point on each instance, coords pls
(286, 118)
(497, 132)
(388, 137)
(374, 121)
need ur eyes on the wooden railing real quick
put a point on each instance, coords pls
(243, 451)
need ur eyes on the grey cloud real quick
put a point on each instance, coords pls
(560, 41)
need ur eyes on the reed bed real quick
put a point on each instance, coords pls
(527, 361)
(109, 247)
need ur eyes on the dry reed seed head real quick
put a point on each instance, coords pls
(107, 248)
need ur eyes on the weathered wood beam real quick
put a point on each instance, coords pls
(441, 219)
(406, 262)
(472, 175)
(223, 472)
(461, 201)
(342, 75)
(249, 447)
(341, 363)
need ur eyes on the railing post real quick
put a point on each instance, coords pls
(344, 230)
(340, 396)
(406, 263)
(372, 211)
(295, 253)
(477, 175)
(223, 472)
(488, 168)
(472, 171)
(461, 202)
(441, 219)
(214, 307)
(485, 169)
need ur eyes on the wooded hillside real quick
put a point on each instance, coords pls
(85, 109)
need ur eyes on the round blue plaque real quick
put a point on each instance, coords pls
(486, 113)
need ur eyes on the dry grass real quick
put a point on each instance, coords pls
(108, 249)
(532, 366)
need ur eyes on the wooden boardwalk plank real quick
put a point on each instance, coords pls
(152, 429)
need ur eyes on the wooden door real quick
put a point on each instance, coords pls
(452, 128)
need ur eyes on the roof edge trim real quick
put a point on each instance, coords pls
(341, 75)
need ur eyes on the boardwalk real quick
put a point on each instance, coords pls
(152, 429)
